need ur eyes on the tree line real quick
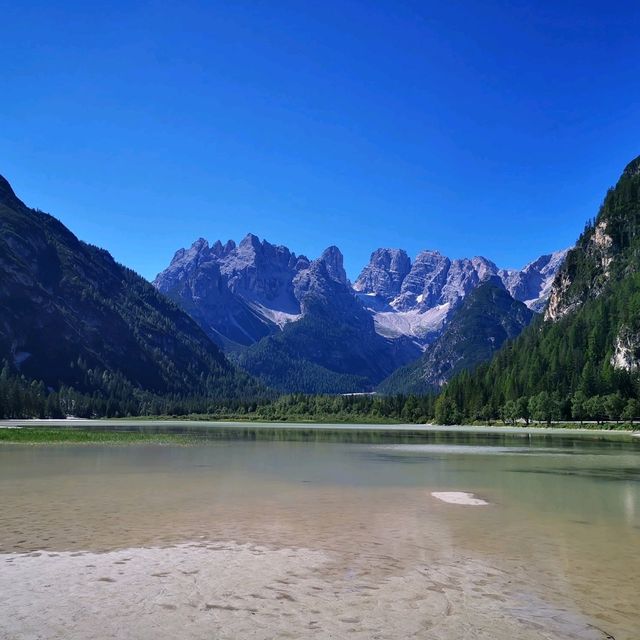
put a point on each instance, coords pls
(543, 407)
(23, 398)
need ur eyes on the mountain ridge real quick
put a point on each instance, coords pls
(257, 300)
(406, 298)
(487, 317)
(73, 316)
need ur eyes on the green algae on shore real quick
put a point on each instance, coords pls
(70, 435)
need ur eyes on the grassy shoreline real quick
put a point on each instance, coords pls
(72, 435)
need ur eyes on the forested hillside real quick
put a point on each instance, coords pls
(581, 360)
(72, 318)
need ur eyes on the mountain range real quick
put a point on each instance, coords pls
(300, 325)
(74, 320)
(74, 317)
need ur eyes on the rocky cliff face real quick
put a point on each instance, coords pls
(532, 284)
(237, 293)
(626, 351)
(384, 274)
(418, 299)
(263, 273)
(598, 251)
(605, 252)
(242, 294)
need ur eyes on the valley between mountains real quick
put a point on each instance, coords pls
(74, 318)
(226, 329)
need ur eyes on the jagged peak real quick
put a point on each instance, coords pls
(301, 263)
(200, 244)
(334, 261)
(429, 253)
(221, 250)
(332, 253)
(250, 240)
(387, 251)
(483, 260)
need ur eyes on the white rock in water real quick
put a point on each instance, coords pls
(459, 497)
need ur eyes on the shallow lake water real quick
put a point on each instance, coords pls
(368, 550)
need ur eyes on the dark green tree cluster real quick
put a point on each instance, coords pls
(350, 408)
(104, 394)
(543, 407)
(73, 317)
(569, 367)
(116, 398)
(20, 398)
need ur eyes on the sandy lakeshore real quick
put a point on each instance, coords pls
(214, 590)
(263, 540)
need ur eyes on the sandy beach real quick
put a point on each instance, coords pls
(229, 591)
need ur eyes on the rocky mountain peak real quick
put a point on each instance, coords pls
(183, 263)
(532, 284)
(484, 267)
(384, 274)
(222, 250)
(200, 244)
(301, 263)
(464, 275)
(424, 282)
(250, 240)
(334, 261)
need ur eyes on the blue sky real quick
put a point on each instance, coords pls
(475, 128)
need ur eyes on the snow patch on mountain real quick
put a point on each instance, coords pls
(417, 299)
(279, 318)
(423, 325)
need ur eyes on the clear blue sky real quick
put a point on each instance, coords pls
(488, 127)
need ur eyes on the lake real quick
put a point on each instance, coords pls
(265, 531)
